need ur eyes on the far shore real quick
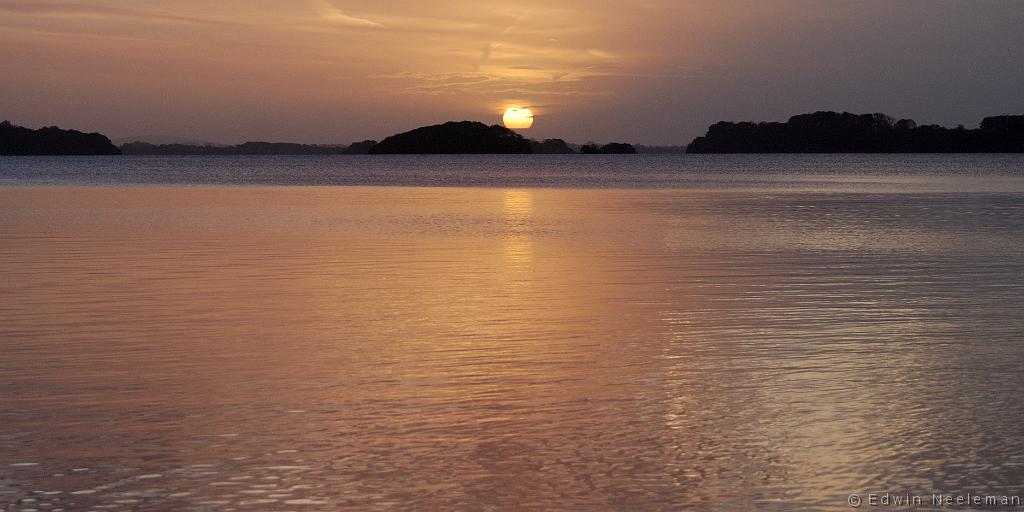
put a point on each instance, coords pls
(820, 132)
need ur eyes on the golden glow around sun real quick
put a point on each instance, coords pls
(517, 118)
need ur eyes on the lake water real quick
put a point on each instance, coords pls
(526, 333)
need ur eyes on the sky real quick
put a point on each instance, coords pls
(643, 71)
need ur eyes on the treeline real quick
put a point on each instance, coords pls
(614, 148)
(469, 137)
(551, 147)
(547, 146)
(461, 137)
(248, 148)
(659, 150)
(832, 132)
(18, 140)
(454, 137)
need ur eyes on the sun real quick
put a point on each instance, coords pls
(517, 118)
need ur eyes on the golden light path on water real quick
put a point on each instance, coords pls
(505, 348)
(518, 246)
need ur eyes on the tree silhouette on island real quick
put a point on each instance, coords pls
(454, 137)
(247, 148)
(469, 137)
(16, 140)
(614, 148)
(820, 132)
(832, 132)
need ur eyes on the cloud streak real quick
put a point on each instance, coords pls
(101, 12)
(334, 15)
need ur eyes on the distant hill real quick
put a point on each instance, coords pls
(608, 149)
(360, 148)
(551, 147)
(18, 140)
(455, 137)
(161, 139)
(248, 148)
(832, 132)
(659, 150)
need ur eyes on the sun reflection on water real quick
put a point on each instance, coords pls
(518, 244)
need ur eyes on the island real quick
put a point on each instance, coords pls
(551, 147)
(19, 141)
(247, 148)
(614, 148)
(454, 137)
(819, 132)
(832, 132)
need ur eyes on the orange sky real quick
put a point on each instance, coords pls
(648, 71)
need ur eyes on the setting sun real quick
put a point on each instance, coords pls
(517, 118)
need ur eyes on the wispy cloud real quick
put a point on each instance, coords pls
(102, 11)
(329, 55)
(328, 12)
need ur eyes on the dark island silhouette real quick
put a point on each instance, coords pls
(360, 148)
(820, 132)
(248, 148)
(659, 150)
(454, 137)
(461, 137)
(50, 140)
(551, 147)
(832, 132)
(614, 148)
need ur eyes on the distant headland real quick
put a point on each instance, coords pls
(456, 137)
(469, 137)
(820, 132)
(832, 132)
(248, 148)
(462, 137)
(17, 140)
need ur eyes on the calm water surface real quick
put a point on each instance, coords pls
(641, 333)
